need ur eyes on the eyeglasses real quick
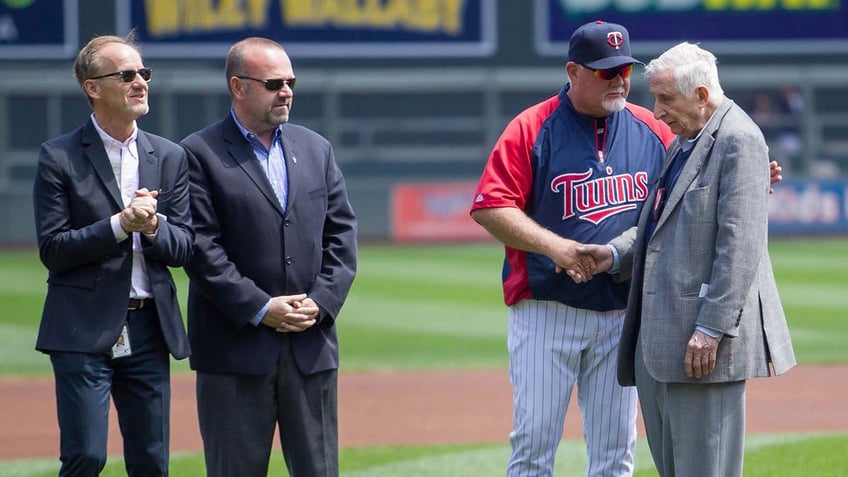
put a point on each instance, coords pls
(128, 76)
(611, 73)
(275, 84)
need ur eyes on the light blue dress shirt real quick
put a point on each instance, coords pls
(273, 162)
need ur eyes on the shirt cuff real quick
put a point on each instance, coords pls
(117, 230)
(257, 318)
(708, 331)
(152, 237)
(616, 260)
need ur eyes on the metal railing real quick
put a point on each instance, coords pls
(463, 112)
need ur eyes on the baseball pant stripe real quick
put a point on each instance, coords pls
(552, 347)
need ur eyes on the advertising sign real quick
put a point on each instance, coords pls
(38, 29)
(314, 28)
(721, 26)
(434, 212)
(813, 207)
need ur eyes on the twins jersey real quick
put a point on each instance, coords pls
(581, 177)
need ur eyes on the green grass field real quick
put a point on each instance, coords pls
(438, 307)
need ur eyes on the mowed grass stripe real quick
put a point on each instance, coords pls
(18, 355)
(409, 300)
(463, 274)
(822, 455)
(415, 289)
(831, 295)
(425, 315)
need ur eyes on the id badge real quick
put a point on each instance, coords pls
(121, 348)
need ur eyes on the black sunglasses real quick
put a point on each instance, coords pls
(273, 84)
(128, 76)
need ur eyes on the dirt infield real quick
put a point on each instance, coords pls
(425, 408)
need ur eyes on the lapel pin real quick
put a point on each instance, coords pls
(294, 159)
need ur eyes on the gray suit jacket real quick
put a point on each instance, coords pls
(707, 262)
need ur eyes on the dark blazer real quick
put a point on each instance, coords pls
(75, 194)
(248, 249)
(707, 263)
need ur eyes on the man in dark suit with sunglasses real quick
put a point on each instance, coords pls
(273, 263)
(112, 214)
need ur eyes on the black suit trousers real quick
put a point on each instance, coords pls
(140, 386)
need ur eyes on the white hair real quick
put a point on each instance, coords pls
(692, 66)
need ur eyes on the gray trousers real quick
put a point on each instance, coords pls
(694, 430)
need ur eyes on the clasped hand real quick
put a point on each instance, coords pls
(291, 313)
(140, 215)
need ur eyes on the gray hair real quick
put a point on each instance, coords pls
(692, 66)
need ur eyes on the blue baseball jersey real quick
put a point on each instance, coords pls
(581, 177)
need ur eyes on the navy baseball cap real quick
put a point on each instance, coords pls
(600, 46)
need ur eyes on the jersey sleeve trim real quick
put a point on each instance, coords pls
(659, 128)
(507, 179)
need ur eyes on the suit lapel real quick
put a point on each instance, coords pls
(690, 170)
(696, 161)
(95, 152)
(290, 153)
(242, 153)
(148, 163)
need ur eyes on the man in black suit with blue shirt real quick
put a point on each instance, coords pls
(112, 214)
(274, 260)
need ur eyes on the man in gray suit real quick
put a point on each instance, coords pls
(703, 312)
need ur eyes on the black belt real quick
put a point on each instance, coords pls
(137, 303)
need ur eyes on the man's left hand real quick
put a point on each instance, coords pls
(700, 357)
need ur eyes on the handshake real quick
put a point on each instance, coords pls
(582, 261)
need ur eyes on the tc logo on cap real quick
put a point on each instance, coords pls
(615, 39)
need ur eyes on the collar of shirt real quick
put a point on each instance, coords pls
(252, 138)
(111, 143)
(689, 143)
(114, 147)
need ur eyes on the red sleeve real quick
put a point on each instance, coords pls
(507, 179)
(660, 128)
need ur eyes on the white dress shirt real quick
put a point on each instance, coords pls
(123, 156)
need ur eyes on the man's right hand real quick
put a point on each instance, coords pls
(590, 260)
(579, 266)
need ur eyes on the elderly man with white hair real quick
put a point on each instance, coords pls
(704, 314)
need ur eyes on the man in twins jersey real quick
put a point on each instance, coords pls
(575, 168)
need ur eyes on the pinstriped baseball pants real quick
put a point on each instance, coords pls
(552, 347)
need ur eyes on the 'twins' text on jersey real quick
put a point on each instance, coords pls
(597, 199)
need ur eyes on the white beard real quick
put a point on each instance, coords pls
(614, 105)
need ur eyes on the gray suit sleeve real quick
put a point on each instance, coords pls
(624, 244)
